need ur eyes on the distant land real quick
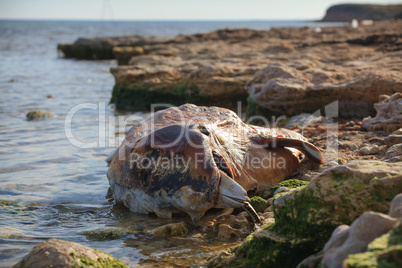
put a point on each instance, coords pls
(348, 12)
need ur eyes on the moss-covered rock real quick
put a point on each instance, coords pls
(142, 98)
(60, 253)
(170, 230)
(258, 203)
(292, 183)
(124, 54)
(306, 217)
(385, 251)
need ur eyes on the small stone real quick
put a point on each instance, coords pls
(302, 120)
(370, 149)
(353, 147)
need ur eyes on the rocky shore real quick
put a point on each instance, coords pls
(346, 213)
(278, 72)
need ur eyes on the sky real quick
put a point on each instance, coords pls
(171, 9)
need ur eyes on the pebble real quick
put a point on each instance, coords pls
(370, 149)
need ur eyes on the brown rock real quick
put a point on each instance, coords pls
(170, 230)
(389, 114)
(60, 253)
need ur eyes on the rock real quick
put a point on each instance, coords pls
(395, 209)
(306, 217)
(288, 184)
(393, 139)
(355, 239)
(370, 149)
(385, 251)
(124, 54)
(393, 154)
(348, 12)
(258, 203)
(37, 114)
(302, 120)
(170, 230)
(176, 80)
(60, 253)
(389, 114)
(281, 88)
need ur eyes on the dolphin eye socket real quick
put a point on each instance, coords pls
(203, 129)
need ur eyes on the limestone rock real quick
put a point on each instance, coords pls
(60, 253)
(389, 114)
(393, 154)
(282, 88)
(302, 120)
(124, 54)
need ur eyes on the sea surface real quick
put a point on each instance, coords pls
(53, 171)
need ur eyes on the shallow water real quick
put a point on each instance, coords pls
(49, 187)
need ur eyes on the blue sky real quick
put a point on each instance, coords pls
(171, 9)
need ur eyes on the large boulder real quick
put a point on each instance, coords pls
(291, 89)
(389, 114)
(306, 217)
(60, 253)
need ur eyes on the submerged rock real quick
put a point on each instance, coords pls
(170, 230)
(60, 253)
(389, 114)
(305, 218)
(37, 114)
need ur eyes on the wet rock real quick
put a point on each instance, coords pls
(37, 114)
(306, 217)
(171, 229)
(389, 114)
(393, 154)
(103, 235)
(369, 149)
(60, 253)
(355, 239)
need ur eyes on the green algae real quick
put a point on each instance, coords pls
(86, 52)
(292, 183)
(99, 263)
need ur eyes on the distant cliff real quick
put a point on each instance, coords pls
(348, 12)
